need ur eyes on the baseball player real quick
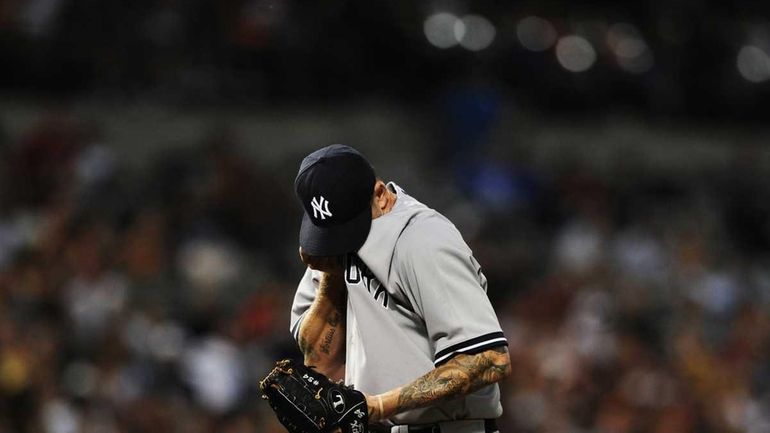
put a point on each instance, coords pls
(394, 302)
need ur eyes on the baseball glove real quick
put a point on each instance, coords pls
(306, 401)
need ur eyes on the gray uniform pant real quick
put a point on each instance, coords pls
(469, 426)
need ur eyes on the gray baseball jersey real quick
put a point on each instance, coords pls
(416, 298)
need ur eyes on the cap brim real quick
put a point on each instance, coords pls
(335, 240)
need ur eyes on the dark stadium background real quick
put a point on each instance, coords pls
(606, 161)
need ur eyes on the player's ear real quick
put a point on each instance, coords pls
(379, 188)
(379, 198)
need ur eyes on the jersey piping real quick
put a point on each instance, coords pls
(471, 346)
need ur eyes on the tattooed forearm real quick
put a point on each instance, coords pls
(322, 331)
(462, 375)
(491, 367)
(439, 385)
(334, 323)
(328, 338)
(334, 319)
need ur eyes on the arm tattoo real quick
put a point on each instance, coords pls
(333, 321)
(462, 375)
(326, 344)
(322, 332)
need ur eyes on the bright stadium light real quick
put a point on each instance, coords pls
(474, 32)
(753, 64)
(441, 30)
(575, 53)
(632, 52)
(459, 30)
(535, 33)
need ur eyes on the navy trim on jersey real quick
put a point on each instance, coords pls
(470, 347)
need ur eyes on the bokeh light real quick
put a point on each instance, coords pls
(441, 30)
(535, 33)
(632, 52)
(475, 32)
(459, 30)
(753, 64)
(575, 53)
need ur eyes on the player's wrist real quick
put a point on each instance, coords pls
(332, 286)
(335, 280)
(374, 406)
(381, 406)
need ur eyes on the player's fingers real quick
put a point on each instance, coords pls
(314, 262)
(332, 264)
(329, 264)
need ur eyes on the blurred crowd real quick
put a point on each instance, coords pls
(152, 298)
(138, 301)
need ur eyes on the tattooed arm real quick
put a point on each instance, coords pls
(462, 375)
(322, 331)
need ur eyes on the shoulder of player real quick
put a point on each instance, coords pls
(428, 233)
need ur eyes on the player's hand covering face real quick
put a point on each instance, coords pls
(328, 264)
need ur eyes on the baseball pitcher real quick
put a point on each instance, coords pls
(394, 303)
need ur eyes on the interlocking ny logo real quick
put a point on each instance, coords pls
(320, 206)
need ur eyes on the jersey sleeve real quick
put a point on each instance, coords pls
(303, 298)
(449, 292)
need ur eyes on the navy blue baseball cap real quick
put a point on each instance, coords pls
(335, 186)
